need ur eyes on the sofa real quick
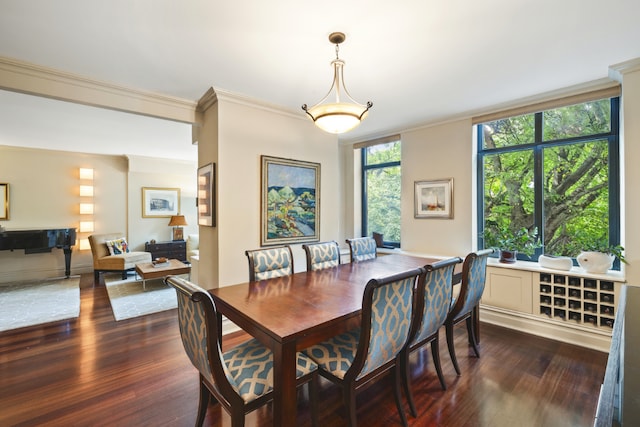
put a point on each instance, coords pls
(193, 246)
(122, 260)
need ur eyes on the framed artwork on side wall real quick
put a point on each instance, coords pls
(434, 199)
(290, 201)
(4, 201)
(160, 202)
(206, 195)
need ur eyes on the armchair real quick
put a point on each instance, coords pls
(103, 261)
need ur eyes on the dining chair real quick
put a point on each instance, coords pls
(322, 255)
(433, 300)
(241, 379)
(270, 262)
(362, 248)
(465, 305)
(354, 358)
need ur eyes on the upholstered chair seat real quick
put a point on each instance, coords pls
(322, 255)
(240, 379)
(362, 248)
(269, 263)
(354, 358)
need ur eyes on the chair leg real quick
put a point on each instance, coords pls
(350, 404)
(205, 396)
(452, 349)
(435, 352)
(124, 274)
(396, 392)
(403, 362)
(472, 336)
(313, 399)
(96, 276)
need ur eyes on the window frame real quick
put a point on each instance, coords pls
(537, 147)
(363, 182)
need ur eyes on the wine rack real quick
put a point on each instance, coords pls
(583, 300)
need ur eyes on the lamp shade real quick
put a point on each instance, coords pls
(177, 220)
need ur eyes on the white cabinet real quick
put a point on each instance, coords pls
(571, 306)
(510, 289)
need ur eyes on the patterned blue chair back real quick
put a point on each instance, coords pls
(269, 263)
(246, 370)
(198, 328)
(322, 255)
(474, 273)
(388, 306)
(435, 298)
(362, 248)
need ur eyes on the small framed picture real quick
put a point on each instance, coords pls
(160, 202)
(4, 201)
(206, 195)
(434, 198)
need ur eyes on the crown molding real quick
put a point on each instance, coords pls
(32, 79)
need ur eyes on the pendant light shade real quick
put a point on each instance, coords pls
(343, 114)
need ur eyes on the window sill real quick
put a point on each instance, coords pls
(613, 275)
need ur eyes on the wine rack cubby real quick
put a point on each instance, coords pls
(583, 300)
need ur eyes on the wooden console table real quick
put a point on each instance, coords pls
(176, 249)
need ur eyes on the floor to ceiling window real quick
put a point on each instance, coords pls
(381, 190)
(556, 170)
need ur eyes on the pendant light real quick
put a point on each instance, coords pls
(343, 114)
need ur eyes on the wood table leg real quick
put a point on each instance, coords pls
(284, 384)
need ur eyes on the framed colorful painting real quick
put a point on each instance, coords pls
(290, 201)
(434, 199)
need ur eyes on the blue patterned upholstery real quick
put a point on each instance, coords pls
(437, 300)
(433, 299)
(362, 248)
(465, 305)
(245, 371)
(387, 309)
(269, 263)
(322, 255)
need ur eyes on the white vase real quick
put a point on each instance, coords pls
(595, 262)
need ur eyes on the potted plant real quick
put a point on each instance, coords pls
(596, 254)
(510, 241)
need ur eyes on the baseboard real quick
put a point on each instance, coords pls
(573, 334)
(228, 326)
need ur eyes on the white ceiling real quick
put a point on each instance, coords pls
(418, 61)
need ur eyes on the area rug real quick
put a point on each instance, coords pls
(33, 303)
(128, 299)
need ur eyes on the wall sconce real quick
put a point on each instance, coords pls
(86, 190)
(86, 173)
(86, 226)
(86, 206)
(85, 245)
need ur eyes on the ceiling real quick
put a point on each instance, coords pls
(418, 61)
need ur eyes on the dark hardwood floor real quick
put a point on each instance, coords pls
(94, 371)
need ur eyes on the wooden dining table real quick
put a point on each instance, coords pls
(291, 313)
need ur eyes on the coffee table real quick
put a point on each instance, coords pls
(147, 270)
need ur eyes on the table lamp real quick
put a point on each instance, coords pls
(177, 221)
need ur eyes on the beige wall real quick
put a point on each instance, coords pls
(44, 193)
(433, 153)
(629, 76)
(245, 132)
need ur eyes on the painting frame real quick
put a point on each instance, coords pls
(298, 219)
(158, 202)
(4, 200)
(434, 199)
(205, 200)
